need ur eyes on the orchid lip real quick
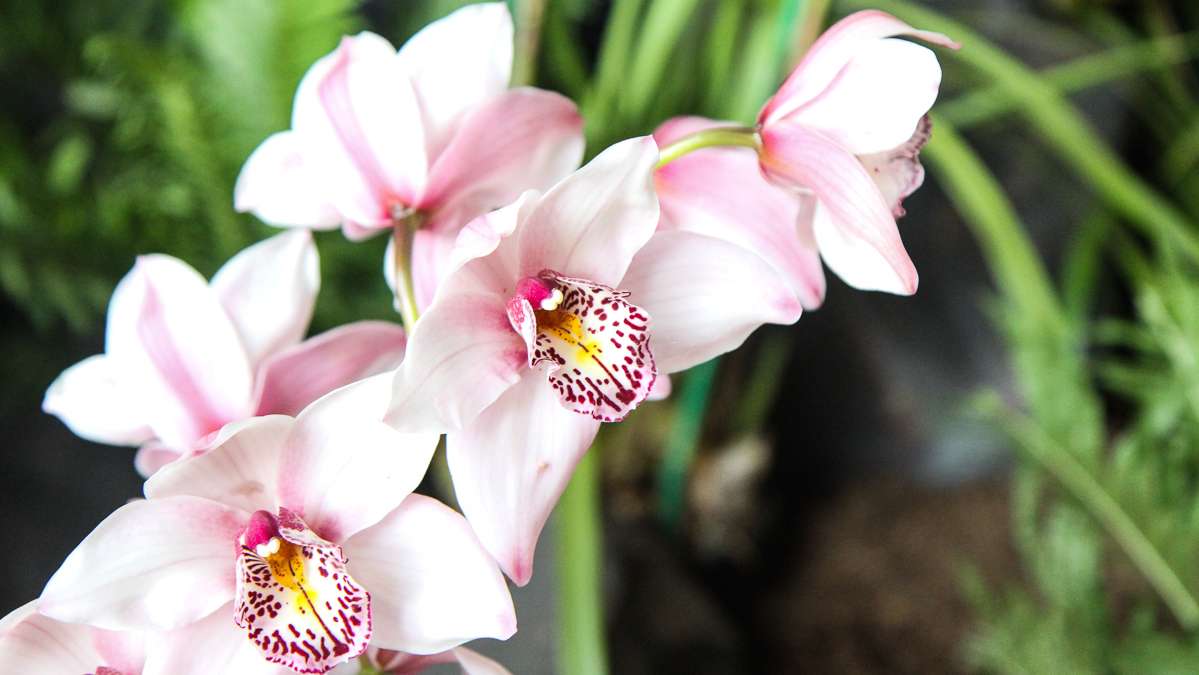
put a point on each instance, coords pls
(591, 342)
(295, 598)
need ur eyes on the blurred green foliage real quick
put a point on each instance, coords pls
(1106, 497)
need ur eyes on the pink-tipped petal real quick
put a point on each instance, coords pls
(361, 123)
(122, 651)
(481, 169)
(154, 564)
(855, 231)
(269, 290)
(152, 456)
(239, 470)
(91, 398)
(283, 187)
(840, 43)
(461, 357)
(661, 389)
(510, 467)
(343, 469)
(291, 379)
(592, 223)
(212, 645)
(169, 335)
(457, 63)
(877, 99)
(705, 296)
(474, 663)
(34, 644)
(433, 585)
(720, 192)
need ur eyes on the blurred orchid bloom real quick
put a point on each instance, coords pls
(291, 541)
(431, 132)
(399, 663)
(841, 138)
(38, 645)
(563, 309)
(184, 357)
(846, 126)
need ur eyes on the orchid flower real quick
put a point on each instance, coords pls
(294, 541)
(561, 312)
(422, 140)
(184, 357)
(397, 663)
(840, 138)
(38, 645)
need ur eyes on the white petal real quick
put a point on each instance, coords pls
(343, 469)
(828, 56)
(269, 290)
(432, 585)
(591, 224)
(281, 186)
(704, 296)
(877, 100)
(153, 564)
(720, 192)
(212, 645)
(361, 123)
(457, 63)
(90, 399)
(511, 465)
(173, 342)
(36, 644)
(462, 355)
(239, 470)
(291, 379)
(854, 227)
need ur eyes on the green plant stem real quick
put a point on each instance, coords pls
(581, 641)
(709, 138)
(1084, 486)
(529, 15)
(1062, 128)
(365, 667)
(403, 234)
(814, 13)
(990, 102)
(683, 441)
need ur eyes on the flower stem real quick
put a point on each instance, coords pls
(581, 642)
(746, 137)
(402, 236)
(683, 442)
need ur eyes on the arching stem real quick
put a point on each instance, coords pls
(746, 137)
(403, 234)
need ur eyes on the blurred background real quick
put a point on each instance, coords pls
(997, 475)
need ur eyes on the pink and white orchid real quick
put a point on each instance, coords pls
(38, 645)
(430, 133)
(720, 192)
(561, 312)
(291, 541)
(398, 663)
(840, 138)
(184, 357)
